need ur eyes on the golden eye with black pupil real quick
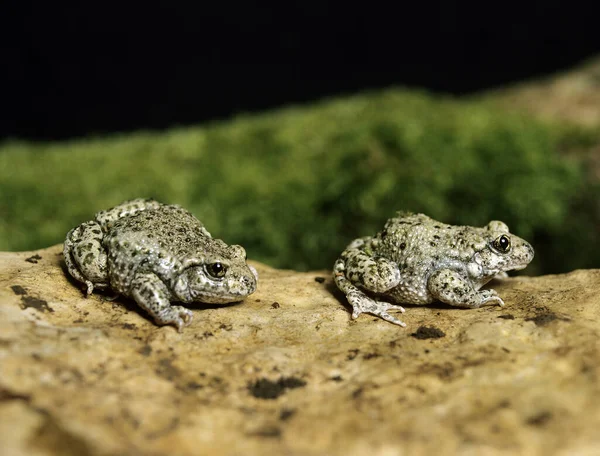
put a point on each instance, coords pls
(217, 270)
(502, 243)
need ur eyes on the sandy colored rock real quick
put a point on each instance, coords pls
(288, 372)
(572, 96)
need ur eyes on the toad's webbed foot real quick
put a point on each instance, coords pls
(361, 303)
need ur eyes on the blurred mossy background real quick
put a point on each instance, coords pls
(294, 186)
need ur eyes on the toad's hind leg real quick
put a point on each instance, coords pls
(124, 209)
(374, 274)
(85, 256)
(152, 295)
(360, 302)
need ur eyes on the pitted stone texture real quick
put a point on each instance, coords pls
(288, 372)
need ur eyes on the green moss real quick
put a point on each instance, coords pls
(294, 186)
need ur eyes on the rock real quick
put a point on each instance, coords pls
(571, 96)
(288, 372)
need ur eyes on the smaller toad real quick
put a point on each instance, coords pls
(155, 254)
(417, 260)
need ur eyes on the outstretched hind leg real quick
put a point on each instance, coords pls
(360, 302)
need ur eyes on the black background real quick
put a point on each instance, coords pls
(90, 68)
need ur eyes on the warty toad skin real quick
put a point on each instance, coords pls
(155, 254)
(417, 260)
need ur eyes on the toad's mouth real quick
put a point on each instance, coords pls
(224, 294)
(218, 298)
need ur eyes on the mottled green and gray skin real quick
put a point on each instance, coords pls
(417, 260)
(155, 254)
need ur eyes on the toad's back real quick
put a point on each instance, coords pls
(160, 239)
(170, 229)
(419, 241)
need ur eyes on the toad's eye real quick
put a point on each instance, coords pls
(502, 243)
(217, 270)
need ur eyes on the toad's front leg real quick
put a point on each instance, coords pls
(152, 295)
(452, 288)
(376, 275)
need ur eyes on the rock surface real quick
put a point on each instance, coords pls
(288, 372)
(572, 96)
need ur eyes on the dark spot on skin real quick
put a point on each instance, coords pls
(275, 305)
(286, 414)
(18, 290)
(320, 279)
(79, 320)
(89, 258)
(33, 259)
(435, 236)
(337, 378)
(267, 389)
(507, 317)
(38, 304)
(128, 326)
(428, 332)
(437, 227)
(403, 246)
(432, 244)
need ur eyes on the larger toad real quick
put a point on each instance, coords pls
(417, 260)
(155, 254)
